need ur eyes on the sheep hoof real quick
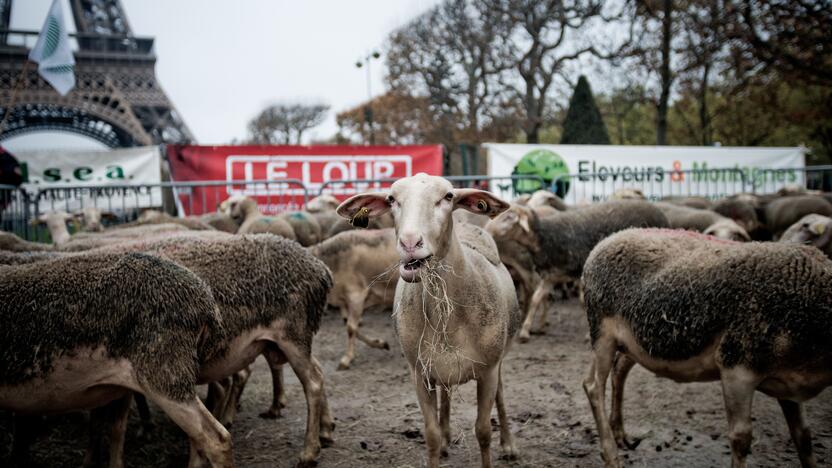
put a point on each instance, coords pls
(326, 441)
(626, 443)
(385, 346)
(270, 414)
(523, 337)
(508, 453)
(344, 364)
(306, 464)
(443, 452)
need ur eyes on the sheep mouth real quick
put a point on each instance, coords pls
(411, 271)
(416, 263)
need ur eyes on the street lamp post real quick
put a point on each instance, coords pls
(368, 109)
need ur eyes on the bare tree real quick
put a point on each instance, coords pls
(279, 123)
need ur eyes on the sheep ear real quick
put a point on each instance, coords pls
(360, 208)
(109, 215)
(524, 223)
(745, 235)
(479, 202)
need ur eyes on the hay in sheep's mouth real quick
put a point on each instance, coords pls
(437, 309)
(415, 264)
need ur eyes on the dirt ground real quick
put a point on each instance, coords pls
(378, 422)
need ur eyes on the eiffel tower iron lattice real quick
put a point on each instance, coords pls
(117, 99)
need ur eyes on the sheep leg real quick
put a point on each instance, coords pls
(426, 395)
(486, 394)
(541, 294)
(506, 439)
(355, 308)
(312, 379)
(144, 414)
(622, 367)
(738, 385)
(594, 386)
(275, 359)
(801, 436)
(217, 393)
(445, 420)
(119, 411)
(238, 383)
(531, 310)
(327, 423)
(208, 437)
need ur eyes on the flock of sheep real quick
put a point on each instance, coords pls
(150, 309)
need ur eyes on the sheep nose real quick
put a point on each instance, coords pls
(410, 242)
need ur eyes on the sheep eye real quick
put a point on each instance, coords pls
(449, 196)
(390, 199)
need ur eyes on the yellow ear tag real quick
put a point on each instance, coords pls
(482, 206)
(362, 218)
(819, 228)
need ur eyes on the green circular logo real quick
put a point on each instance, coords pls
(546, 164)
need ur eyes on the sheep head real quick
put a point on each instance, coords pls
(421, 207)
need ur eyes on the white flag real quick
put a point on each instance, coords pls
(52, 52)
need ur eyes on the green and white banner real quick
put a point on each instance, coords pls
(590, 173)
(52, 52)
(70, 180)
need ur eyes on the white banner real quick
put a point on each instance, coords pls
(70, 180)
(590, 173)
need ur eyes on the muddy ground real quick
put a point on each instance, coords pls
(379, 424)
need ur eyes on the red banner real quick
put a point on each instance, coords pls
(277, 175)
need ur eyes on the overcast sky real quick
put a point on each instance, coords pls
(221, 62)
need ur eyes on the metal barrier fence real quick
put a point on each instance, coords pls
(505, 187)
(19, 208)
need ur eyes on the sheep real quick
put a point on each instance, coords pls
(149, 217)
(701, 203)
(270, 294)
(11, 243)
(380, 222)
(628, 193)
(727, 229)
(244, 211)
(220, 222)
(456, 309)
(91, 218)
(363, 266)
(546, 198)
(754, 316)
(322, 203)
(684, 217)
(561, 243)
(108, 325)
(785, 211)
(813, 230)
(306, 227)
(326, 220)
(56, 223)
(742, 209)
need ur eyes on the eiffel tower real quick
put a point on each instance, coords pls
(117, 99)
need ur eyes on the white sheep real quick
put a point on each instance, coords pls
(455, 306)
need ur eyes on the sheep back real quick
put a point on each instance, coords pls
(769, 304)
(150, 311)
(785, 211)
(566, 239)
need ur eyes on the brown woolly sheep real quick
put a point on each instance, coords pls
(270, 293)
(689, 307)
(306, 227)
(700, 203)
(456, 308)
(220, 222)
(244, 211)
(364, 272)
(813, 230)
(11, 243)
(322, 203)
(684, 217)
(628, 193)
(560, 243)
(743, 210)
(109, 324)
(783, 212)
(728, 229)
